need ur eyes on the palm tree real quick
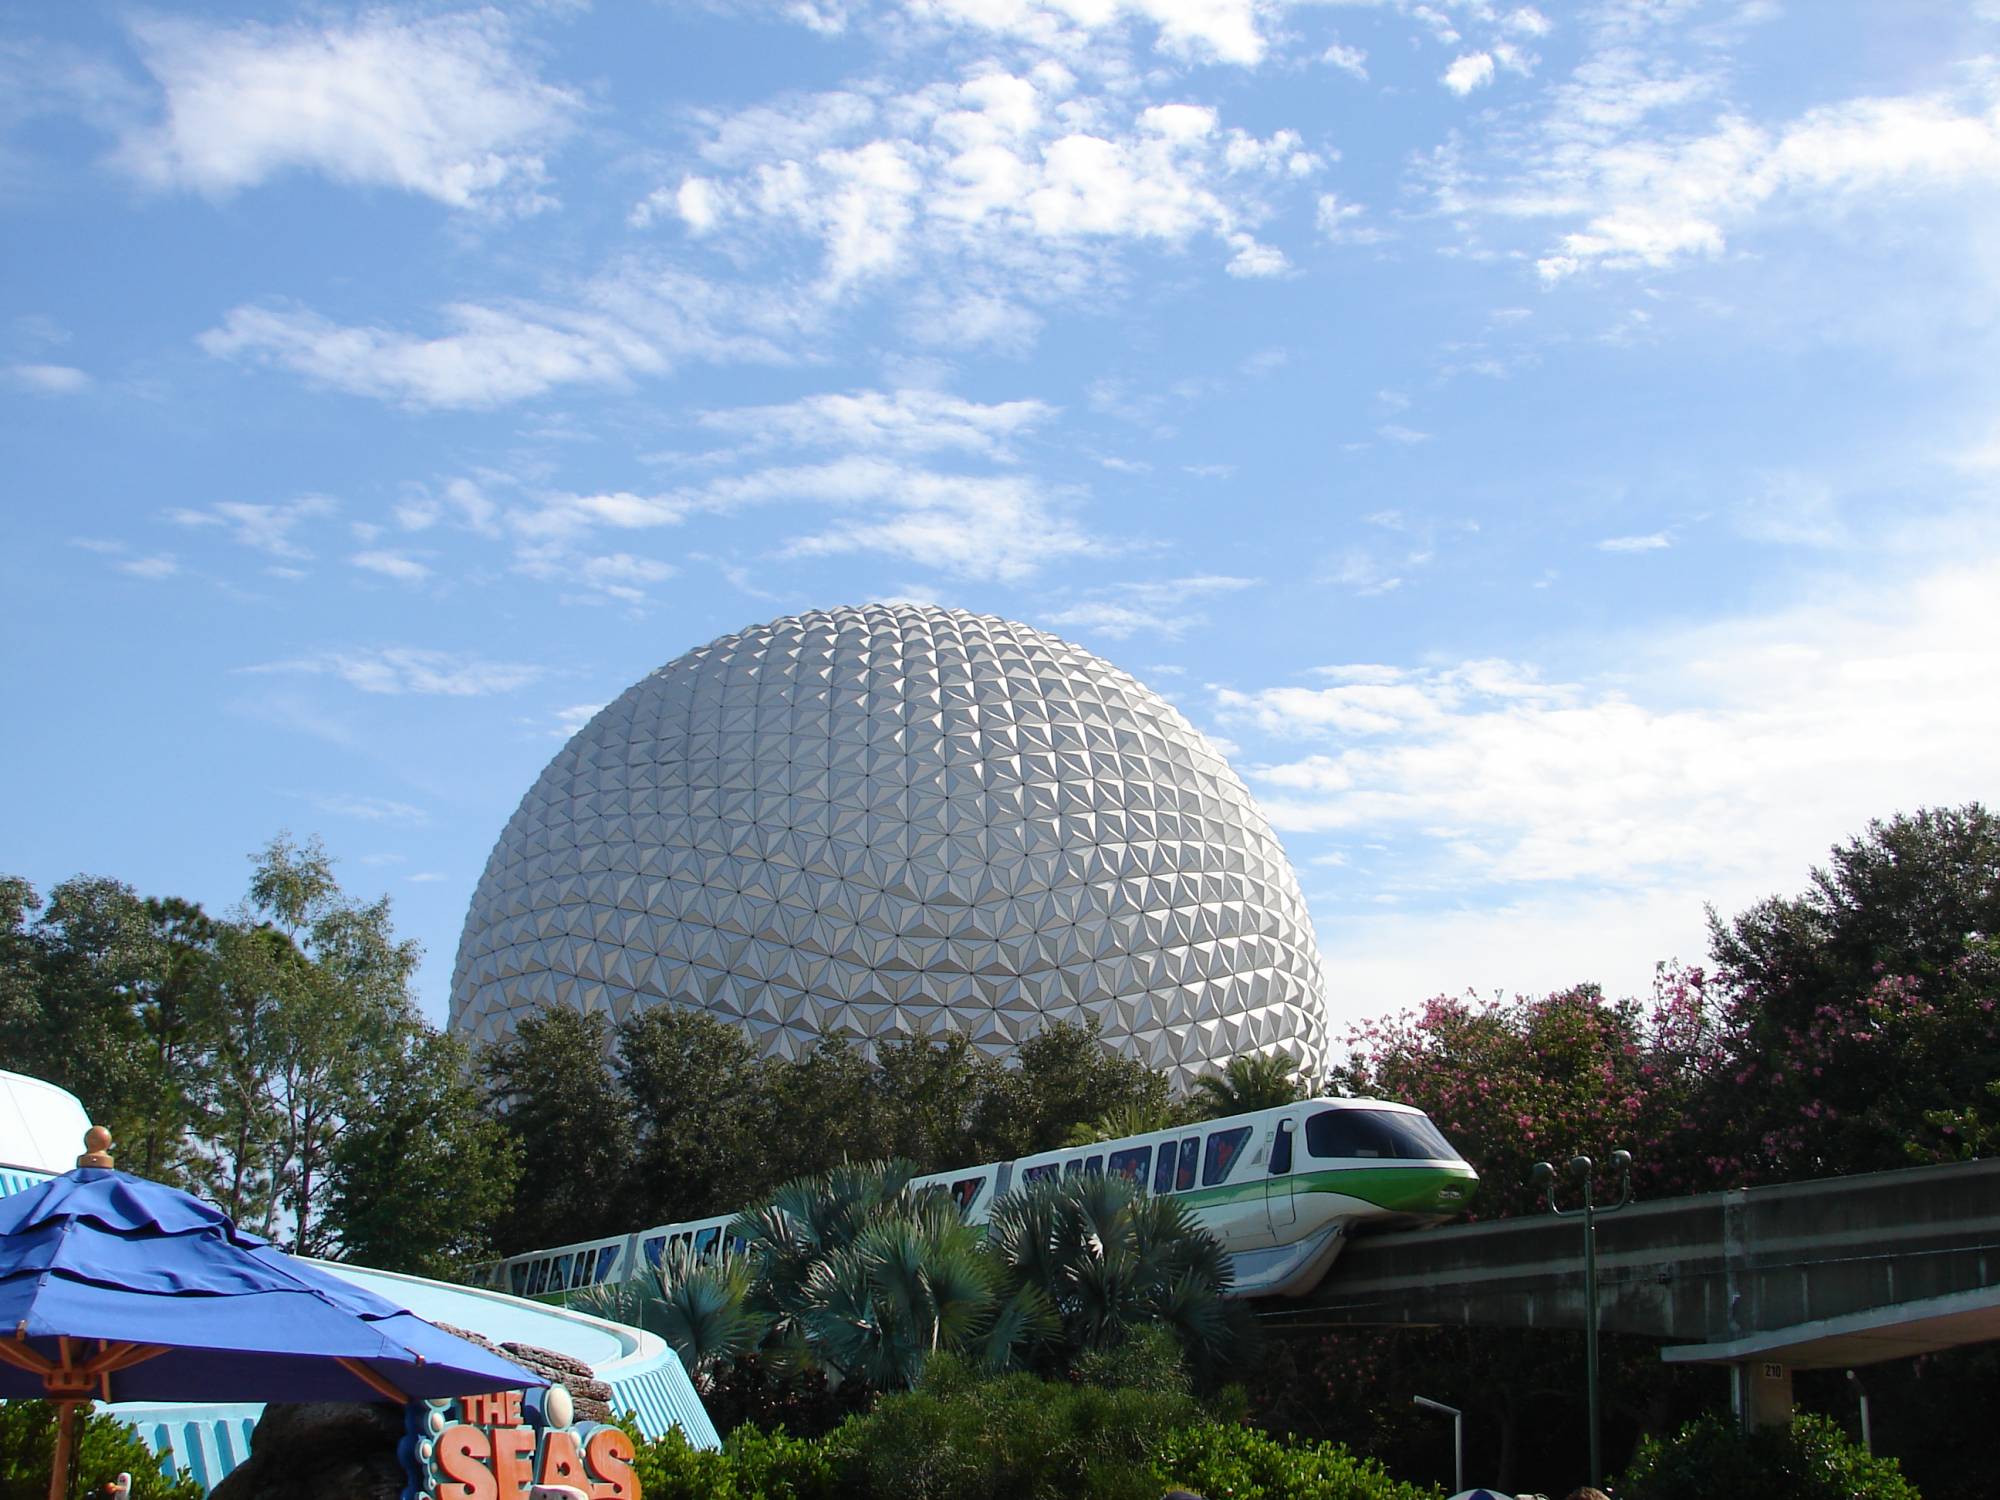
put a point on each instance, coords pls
(699, 1306)
(1265, 1081)
(1126, 1119)
(1109, 1259)
(866, 1277)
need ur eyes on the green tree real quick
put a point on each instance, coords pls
(104, 1448)
(1062, 1077)
(419, 1179)
(96, 958)
(928, 1088)
(1863, 1014)
(172, 1099)
(824, 1108)
(552, 1089)
(20, 974)
(691, 1080)
(316, 1003)
(1268, 1080)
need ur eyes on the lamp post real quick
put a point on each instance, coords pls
(1582, 1168)
(1457, 1438)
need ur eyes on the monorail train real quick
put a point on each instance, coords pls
(1281, 1189)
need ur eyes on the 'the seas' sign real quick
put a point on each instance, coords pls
(498, 1448)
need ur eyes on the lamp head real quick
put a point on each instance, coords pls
(1622, 1160)
(1540, 1174)
(1579, 1167)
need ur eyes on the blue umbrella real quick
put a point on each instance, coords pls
(114, 1288)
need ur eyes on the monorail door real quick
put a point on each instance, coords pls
(1279, 1179)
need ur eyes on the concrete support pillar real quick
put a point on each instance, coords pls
(1761, 1393)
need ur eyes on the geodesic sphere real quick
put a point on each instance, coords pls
(894, 818)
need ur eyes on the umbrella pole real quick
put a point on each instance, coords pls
(65, 1432)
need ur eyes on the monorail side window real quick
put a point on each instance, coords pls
(1132, 1163)
(1163, 1175)
(517, 1278)
(1094, 1166)
(655, 1248)
(1375, 1134)
(1281, 1150)
(965, 1192)
(1224, 1146)
(1071, 1168)
(607, 1261)
(1041, 1173)
(704, 1242)
(1190, 1154)
(538, 1279)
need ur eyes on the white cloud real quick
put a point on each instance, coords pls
(369, 809)
(1652, 541)
(399, 670)
(1203, 30)
(49, 380)
(569, 720)
(1471, 71)
(1654, 202)
(904, 421)
(1009, 183)
(438, 106)
(397, 565)
(160, 565)
(492, 355)
(624, 576)
(1003, 527)
(1165, 607)
(1729, 754)
(1339, 222)
(558, 517)
(460, 501)
(1350, 60)
(266, 528)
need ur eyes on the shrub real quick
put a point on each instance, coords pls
(1240, 1463)
(962, 1436)
(672, 1468)
(1811, 1460)
(752, 1465)
(777, 1466)
(105, 1448)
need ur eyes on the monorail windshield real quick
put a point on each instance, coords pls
(1345, 1134)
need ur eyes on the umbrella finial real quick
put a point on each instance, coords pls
(96, 1148)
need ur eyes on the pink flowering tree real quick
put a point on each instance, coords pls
(1513, 1082)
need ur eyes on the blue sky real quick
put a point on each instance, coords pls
(1552, 448)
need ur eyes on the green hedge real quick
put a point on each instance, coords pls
(1126, 1429)
(1240, 1463)
(1811, 1460)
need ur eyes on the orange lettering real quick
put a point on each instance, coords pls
(610, 1456)
(463, 1453)
(510, 1409)
(562, 1461)
(513, 1461)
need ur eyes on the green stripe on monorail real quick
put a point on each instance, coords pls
(1442, 1190)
